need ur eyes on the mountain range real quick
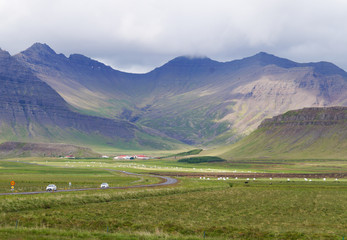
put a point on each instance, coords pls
(195, 101)
(30, 110)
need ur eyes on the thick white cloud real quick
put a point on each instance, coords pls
(138, 35)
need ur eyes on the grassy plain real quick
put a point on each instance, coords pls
(35, 177)
(237, 165)
(221, 209)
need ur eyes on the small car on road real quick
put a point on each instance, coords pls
(51, 187)
(104, 185)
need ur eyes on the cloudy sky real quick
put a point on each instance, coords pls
(139, 35)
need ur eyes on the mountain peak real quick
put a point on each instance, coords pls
(188, 65)
(263, 59)
(264, 54)
(189, 61)
(192, 59)
(41, 49)
(39, 53)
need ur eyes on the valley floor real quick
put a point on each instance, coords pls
(192, 209)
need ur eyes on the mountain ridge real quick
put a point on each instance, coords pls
(32, 95)
(194, 100)
(31, 110)
(308, 116)
(261, 57)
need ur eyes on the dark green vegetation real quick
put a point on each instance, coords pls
(201, 159)
(191, 152)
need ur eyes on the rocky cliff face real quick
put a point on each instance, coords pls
(312, 133)
(29, 104)
(23, 95)
(194, 100)
(84, 83)
(309, 116)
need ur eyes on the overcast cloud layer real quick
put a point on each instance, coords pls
(139, 35)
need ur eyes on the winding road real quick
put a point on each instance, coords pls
(167, 181)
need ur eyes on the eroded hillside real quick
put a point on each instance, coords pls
(312, 133)
(31, 110)
(194, 100)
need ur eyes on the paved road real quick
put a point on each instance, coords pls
(167, 181)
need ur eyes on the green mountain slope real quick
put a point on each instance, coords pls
(30, 110)
(309, 133)
(22, 149)
(197, 101)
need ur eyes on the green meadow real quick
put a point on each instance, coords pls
(237, 165)
(191, 209)
(30, 177)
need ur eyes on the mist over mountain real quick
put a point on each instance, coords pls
(193, 100)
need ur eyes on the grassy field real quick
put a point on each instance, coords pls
(255, 211)
(34, 177)
(173, 165)
(231, 209)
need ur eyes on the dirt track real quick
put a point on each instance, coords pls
(252, 175)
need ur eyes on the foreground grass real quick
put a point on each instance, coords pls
(256, 210)
(49, 233)
(221, 209)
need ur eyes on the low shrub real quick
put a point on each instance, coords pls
(201, 159)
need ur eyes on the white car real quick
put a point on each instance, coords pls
(104, 185)
(51, 187)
